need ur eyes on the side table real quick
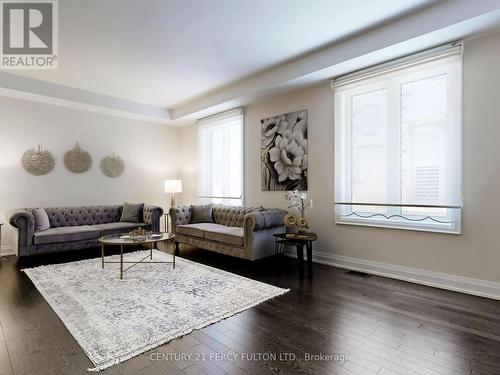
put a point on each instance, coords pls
(299, 240)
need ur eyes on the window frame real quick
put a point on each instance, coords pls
(393, 82)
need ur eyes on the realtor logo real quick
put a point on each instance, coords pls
(29, 34)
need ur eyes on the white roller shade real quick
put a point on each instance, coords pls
(220, 157)
(398, 143)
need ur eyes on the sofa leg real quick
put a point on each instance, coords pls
(176, 248)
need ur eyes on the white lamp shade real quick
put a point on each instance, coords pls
(173, 186)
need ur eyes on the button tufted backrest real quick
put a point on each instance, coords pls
(75, 216)
(183, 214)
(232, 216)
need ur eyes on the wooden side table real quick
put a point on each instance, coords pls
(299, 241)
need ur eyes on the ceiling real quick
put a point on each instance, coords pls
(164, 52)
(172, 61)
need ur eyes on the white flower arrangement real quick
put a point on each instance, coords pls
(298, 201)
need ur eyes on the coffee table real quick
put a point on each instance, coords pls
(120, 240)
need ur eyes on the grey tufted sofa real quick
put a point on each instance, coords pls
(74, 228)
(244, 232)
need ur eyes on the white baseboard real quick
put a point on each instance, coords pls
(7, 250)
(477, 287)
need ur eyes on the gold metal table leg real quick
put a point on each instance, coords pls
(151, 251)
(174, 255)
(121, 261)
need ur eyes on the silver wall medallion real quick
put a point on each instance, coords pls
(38, 161)
(112, 166)
(77, 160)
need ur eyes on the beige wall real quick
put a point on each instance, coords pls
(474, 254)
(188, 164)
(149, 151)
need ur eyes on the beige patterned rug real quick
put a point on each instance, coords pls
(114, 320)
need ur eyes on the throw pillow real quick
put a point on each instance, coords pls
(41, 219)
(132, 212)
(201, 214)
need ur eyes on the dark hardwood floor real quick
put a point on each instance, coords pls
(383, 326)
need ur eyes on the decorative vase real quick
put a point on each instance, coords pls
(302, 225)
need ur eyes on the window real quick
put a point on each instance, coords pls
(398, 155)
(220, 158)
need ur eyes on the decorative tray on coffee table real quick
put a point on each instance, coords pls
(140, 234)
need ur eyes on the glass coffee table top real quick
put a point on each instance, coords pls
(124, 239)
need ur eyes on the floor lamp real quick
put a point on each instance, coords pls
(172, 187)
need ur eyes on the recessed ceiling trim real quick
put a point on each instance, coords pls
(45, 92)
(418, 25)
(444, 22)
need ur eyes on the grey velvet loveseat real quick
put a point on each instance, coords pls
(244, 232)
(74, 228)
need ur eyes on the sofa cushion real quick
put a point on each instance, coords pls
(66, 234)
(41, 219)
(201, 214)
(215, 232)
(196, 230)
(115, 228)
(132, 212)
(229, 235)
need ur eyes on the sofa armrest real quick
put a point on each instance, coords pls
(24, 221)
(266, 219)
(179, 215)
(152, 215)
(259, 230)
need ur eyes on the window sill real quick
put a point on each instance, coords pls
(452, 228)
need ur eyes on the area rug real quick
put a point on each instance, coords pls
(114, 320)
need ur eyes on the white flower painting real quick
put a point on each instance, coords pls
(284, 152)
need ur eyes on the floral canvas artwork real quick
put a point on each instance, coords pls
(284, 152)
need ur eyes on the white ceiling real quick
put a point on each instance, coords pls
(168, 52)
(173, 61)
